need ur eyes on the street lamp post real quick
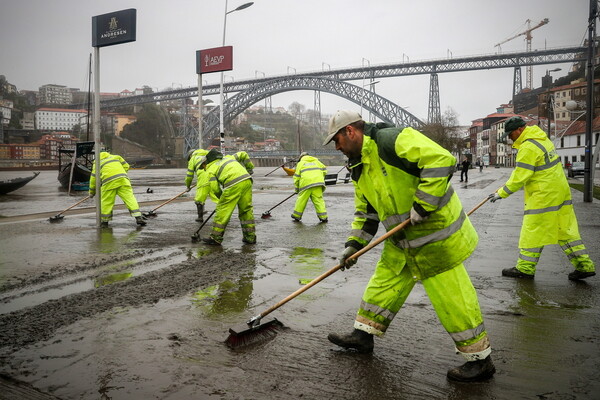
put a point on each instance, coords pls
(221, 111)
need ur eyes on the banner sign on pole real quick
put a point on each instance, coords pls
(214, 60)
(114, 28)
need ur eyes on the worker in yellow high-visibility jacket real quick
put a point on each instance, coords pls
(114, 182)
(232, 184)
(195, 160)
(399, 173)
(309, 183)
(549, 217)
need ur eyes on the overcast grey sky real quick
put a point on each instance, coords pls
(49, 41)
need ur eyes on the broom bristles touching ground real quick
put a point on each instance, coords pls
(252, 335)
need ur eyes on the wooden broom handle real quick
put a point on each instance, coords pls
(355, 255)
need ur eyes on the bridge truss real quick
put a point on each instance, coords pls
(330, 81)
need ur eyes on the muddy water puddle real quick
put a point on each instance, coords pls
(52, 289)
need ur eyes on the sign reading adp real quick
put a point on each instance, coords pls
(214, 60)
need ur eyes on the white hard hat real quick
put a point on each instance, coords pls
(339, 120)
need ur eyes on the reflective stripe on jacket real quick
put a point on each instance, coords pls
(113, 172)
(221, 173)
(243, 158)
(548, 212)
(400, 168)
(310, 172)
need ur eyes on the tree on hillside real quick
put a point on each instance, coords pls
(153, 129)
(447, 133)
(297, 109)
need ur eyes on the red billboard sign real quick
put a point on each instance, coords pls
(214, 60)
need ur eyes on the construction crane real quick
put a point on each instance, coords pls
(528, 37)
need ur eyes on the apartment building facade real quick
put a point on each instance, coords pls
(58, 119)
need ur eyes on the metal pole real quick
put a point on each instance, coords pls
(221, 111)
(97, 129)
(200, 111)
(588, 185)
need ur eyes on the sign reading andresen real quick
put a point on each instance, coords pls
(114, 28)
(214, 60)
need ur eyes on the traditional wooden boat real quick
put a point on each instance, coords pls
(75, 173)
(11, 185)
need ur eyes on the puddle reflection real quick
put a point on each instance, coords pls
(231, 296)
(108, 242)
(112, 278)
(307, 263)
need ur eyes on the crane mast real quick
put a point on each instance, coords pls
(528, 37)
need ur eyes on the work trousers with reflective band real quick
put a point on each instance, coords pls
(239, 195)
(315, 194)
(107, 202)
(451, 293)
(574, 249)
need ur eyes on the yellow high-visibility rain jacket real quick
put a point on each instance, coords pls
(310, 172)
(549, 215)
(194, 164)
(401, 168)
(221, 174)
(113, 172)
(243, 158)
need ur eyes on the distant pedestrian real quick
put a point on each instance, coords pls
(400, 173)
(480, 166)
(549, 217)
(309, 183)
(114, 182)
(464, 170)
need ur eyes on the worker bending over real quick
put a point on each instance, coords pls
(309, 182)
(114, 182)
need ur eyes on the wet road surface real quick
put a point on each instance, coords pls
(132, 312)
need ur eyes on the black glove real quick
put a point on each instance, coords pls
(344, 261)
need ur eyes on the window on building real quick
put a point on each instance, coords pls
(596, 140)
(562, 142)
(581, 158)
(566, 160)
(578, 140)
(576, 92)
(574, 158)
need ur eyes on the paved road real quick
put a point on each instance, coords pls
(142, 312)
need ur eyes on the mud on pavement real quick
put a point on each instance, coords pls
(128, 312)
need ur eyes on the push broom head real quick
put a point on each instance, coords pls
(252, 334)
(266, 215)
(150, 214)
(56, 218)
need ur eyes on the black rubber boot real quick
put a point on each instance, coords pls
(140, 221)
(577, 275)
(211, 241)
(473, 371)
(515, 273)
(200, 208)
(104, 224)
(358, 340)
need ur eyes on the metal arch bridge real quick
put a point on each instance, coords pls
(371, 102)
(386, 110)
